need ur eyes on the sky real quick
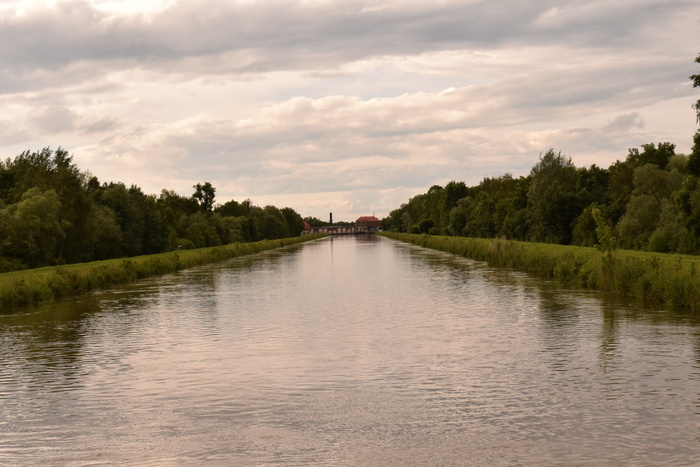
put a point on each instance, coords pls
(344, 106)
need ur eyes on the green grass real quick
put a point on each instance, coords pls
(653, 277)
(21, 288)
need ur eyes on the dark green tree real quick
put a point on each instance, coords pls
(552, 199)
(696, 83)
(653, 188)
(314, 221)
(651, 154)
(425, 225)
(33, 228)
(234, 209)
(454, 191)
(204, 194)
(606, 241)
(294, 221)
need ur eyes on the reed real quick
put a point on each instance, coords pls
(653, 277)
(21, 288)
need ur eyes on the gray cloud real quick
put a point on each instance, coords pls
(54, 119)
(353, 105)
(288, 35)
(625, 122)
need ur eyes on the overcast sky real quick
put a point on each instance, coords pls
(342, 106)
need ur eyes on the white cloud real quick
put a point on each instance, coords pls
(350, 106)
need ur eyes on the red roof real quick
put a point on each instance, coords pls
(368, 220)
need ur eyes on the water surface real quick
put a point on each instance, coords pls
(348, 351)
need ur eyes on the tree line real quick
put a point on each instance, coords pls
(649, 201)
(53, 213)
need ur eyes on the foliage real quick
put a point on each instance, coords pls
(607, 243)
(696, 83)
(651, 201)
(51, 213)
(552, 199)
(204, 194)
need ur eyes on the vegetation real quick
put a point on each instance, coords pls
(660, 278)
(26, 287)
(548, 221)
(51, 213)
(649, 201)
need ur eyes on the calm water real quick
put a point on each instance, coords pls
(348, 351)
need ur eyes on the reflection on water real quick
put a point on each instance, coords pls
(348, 351)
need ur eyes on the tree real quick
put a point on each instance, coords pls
(669, 235)
(480, 220)
(233, 209)
(34, 228)
(204, 194)
(103, 235)
(552, 199)
(128, 215)
(459, 216)
(653, 188)
(314, 221)
(294, 221)
(425, 225)
(607, 243)
(584, 232)
(693, 166)
(201, 232)
(651, 154)
(454, 191)
(696, 83)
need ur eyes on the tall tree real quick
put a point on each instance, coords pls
(552, 199)
(204, 194)
(653, 188)
(696, 83)
(34, 228)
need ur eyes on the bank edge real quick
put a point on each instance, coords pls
(32, 286)
(651, 277)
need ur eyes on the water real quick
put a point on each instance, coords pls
(348, 351)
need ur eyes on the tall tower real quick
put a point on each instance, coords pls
(331, 218)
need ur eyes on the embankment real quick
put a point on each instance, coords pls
(652, 277)
(32, 286)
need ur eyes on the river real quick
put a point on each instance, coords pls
(349, 351)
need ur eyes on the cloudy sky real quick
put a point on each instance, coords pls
(343, 106)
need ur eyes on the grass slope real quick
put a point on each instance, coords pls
(654, 277)
(31, 286)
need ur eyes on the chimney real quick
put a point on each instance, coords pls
(331, 218)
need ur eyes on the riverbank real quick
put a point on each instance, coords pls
(20, 288)
(652, 277)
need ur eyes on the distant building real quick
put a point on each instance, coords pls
(368, 224)
(363, 225)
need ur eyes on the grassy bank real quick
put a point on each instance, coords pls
(36, 285)
(654, 277)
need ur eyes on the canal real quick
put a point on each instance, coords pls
(349, 351)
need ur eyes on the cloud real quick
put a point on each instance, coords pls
(343, 144)
(54, 119)
(279, 35)
(349, 105)
(625, 122)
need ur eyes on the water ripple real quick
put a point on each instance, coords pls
(348, 352)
